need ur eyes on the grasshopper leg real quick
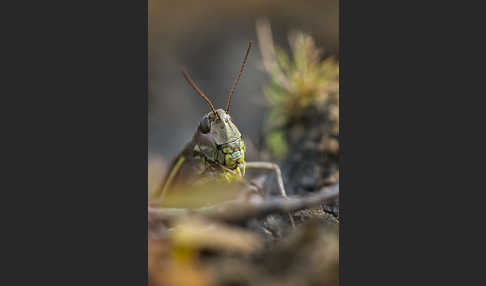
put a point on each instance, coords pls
(162, 192)
(278, 174)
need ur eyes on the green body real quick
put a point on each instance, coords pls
(217, 154)
(216, 150)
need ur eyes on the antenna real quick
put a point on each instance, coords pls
(201, 94)
(238, 77)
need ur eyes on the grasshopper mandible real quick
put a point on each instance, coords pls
(217, 148)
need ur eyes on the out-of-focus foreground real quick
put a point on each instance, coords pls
(286, 106)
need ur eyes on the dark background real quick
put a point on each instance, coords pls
(209, 39)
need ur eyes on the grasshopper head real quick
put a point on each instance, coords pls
(217, 138)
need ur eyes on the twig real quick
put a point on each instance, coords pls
(237, 211)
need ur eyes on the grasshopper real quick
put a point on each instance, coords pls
(216, 149)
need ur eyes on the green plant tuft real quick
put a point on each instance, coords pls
(296, 84)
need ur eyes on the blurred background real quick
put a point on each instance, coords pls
(209, 38)
(287, 105)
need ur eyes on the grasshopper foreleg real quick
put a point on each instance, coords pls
(278, 175)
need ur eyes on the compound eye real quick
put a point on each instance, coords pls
(204, 125)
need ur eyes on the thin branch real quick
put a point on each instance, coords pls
(237, 211)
